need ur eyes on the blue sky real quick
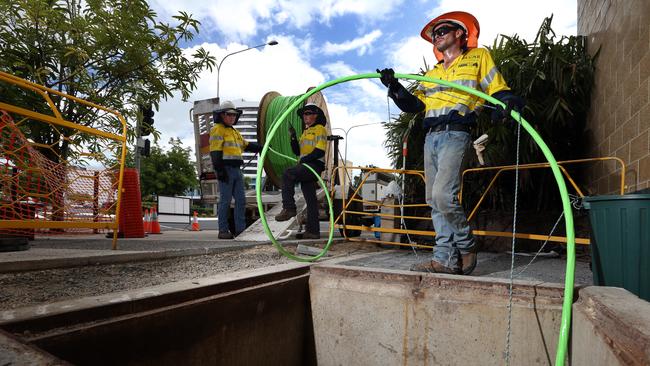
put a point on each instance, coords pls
(324, 40)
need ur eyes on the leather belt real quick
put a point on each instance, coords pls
(450, 127)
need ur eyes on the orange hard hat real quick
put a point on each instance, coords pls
(460, 18)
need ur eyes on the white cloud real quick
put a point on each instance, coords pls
(410, 56)
(361, 44)
(365, 136)
(242, 19)
(357, 103)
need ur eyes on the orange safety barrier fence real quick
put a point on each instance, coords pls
(70, 184)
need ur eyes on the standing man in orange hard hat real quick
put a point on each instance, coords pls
(449, 117)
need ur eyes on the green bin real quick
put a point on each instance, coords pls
(620, 241)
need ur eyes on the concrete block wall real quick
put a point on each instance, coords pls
(619, 121)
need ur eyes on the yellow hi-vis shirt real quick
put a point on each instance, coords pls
(315, 137)
(474, 69)
(228, 140)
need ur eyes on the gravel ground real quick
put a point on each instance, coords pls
(45, 286)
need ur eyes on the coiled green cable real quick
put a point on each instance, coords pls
(563, 339)
(281, 142)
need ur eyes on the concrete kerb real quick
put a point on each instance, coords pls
(78, 258)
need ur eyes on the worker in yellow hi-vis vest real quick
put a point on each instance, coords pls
(449, 115)
(226, 148)
(311, 148)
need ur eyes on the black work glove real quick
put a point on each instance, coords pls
(292, 133)
(222, 175)
(254, 147)
(387, 77)
(513, 103)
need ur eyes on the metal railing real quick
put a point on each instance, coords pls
(341, 221)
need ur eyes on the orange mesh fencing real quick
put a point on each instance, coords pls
(69, 185)
(37, 189)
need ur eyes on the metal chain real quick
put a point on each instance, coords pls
(512, 257)
(575, 202)
(542, 247)
(402, 195)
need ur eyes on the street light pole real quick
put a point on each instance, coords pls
(345, 159)
(350, 129)
(270, 43)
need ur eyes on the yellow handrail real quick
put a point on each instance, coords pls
(366, 172)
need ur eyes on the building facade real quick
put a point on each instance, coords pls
(619, 120)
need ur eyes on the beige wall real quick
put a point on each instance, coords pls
(619, 120)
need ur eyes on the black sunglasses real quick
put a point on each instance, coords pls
(308, 113)
(232, 114)
(440, 32)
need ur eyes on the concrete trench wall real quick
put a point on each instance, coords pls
(258, 318)
(393, 318)
(330, 315)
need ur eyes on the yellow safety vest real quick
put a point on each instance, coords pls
(228, 140)
(315, 137)
(474, 69)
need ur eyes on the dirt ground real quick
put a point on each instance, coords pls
(45, 286)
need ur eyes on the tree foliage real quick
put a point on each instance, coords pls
(168, 173)
(111, 52)
(555, 77)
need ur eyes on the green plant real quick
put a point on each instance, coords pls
(168, 173)
(113, 53)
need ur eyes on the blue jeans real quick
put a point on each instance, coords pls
(444, 152)
(234, 187)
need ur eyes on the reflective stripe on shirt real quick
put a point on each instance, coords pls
(474, 69)
(314, 137)
(228, 140)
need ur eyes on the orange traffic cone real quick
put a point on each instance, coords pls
(147, 221)
(155, 225)
(195, 222)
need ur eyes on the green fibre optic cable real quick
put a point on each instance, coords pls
(281, 143)
(563, 339)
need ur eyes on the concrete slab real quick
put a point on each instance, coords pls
(496, 265)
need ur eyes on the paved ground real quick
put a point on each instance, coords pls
(58, 252)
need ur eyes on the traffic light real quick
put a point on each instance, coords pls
(147, 120)
(146, 150)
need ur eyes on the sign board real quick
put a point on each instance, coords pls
(174, 210)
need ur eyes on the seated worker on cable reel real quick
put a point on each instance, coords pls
(226, 148)
(311, 149)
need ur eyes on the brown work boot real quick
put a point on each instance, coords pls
(225, 235)
(285, 214)
(433, 267)
(468, 263)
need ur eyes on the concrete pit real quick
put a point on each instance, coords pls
(329, 314)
